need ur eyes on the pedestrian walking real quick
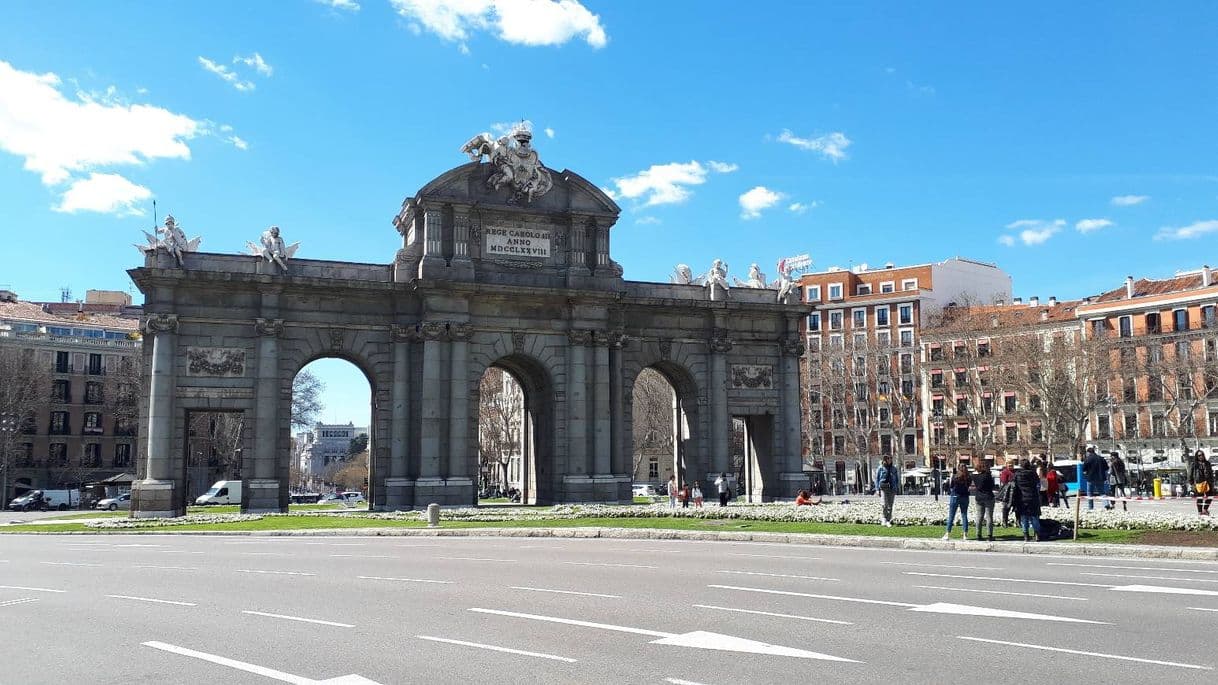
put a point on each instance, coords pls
(1201, 477)
(1053, 479)
(1027, 492)
(1004, 491)
(697, 493)
(957, 500)
(672, 492)
(722, 485)
(1095, 475)
(1042, 483)
(1118, 478)
(887, 479)
(685, 496)
(983, 494)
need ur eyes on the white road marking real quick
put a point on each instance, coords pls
(777, 575)
(407, 580)
(495, 648)
(678, 681)
(697, 639)
(574, 622)
(1202, 609)
(68, 563)
(914, 563)
(965, 610)
(1095, 654)
(258, 670)
(278, 573)
(169, 568)
(155, 601)
(176, 551)
(999, 592)
(31, 589)
(1006, 580)
(653, 551)
(768, 613)
(363, 556)
(860, 600)
(765, 556)
(1182, 580)
(1137, 568)
(505, 561)
(565, 592)
(591, 563)
(1165, 590)
(12, 602)
(263, 554)
(298, 618)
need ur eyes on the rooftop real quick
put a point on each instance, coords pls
(70, 314)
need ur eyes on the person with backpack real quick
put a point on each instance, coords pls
(887, 480)
(1004, 491)
(957, 500)
(1201, 477)
(1095, 475)
(1027, 490)
(983, 493)
(1118, 478)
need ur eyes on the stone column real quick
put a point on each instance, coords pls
(792, 346)
(577, 404)
(262, 482)
(720, 422)
(602, 424)
(458, 454)
(617, 412)
(432, 262)
(399, 485)
(432, 428)
(154, 496)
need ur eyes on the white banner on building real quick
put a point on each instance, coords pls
(517, 242)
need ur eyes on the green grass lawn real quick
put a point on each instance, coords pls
(728, 525)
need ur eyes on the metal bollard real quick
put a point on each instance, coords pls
(433, 515)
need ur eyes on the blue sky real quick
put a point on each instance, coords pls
(1070, 144)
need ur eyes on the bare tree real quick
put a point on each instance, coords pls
(349, 474)
(25, 389)
(306, 399)
(652, 409)
(500, 424)
(1185, 378)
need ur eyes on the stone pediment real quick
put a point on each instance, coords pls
(469, 184)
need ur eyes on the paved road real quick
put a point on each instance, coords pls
(159, 609)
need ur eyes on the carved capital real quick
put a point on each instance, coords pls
(159, 323)
(792, 345)
(617, 338)
(600, 338)
(460, 332)
(579, 337)
(273, 327)
(432, 330)
(400, 333)
(720, 343)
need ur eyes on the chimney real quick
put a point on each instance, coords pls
(1016, 300)
(1205, 276)
(1129, 287)
(1034, 301)
(1044, 315)
(1052, 301)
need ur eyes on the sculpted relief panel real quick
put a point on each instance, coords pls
(215, 362)
(752, 376)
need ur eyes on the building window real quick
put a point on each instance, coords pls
(1034, 402)
(960, 378)
(987, 405)
(1153, 324)
(909, 284)
(839, 445)
(835, 320)
(936, 353)
(961, 405)
(1158, 426)
(1131, 425)
(813, 293)
(835, 291)
(936, 379)
(883, 338)
(886, 445)
(95, 363)
(1179, 320)
(1098, 328)
(1038, 433)
(1126, 329)
(61, 392)
(886, 287)
(814, 344)
(122, 455)
(881, 316)
(1012, 435)
(93, 423)
(885, 415)
(93, 392)
(814, 321)
(907, 388)
(859, 318)
(1213, 421)
(92, 456)
(1008, 404)
(57, 453)
(25, 455)
(63, 362)
(1103, 426)
(860, 339)
(863, 289)
(835, 341)
(907, 337)
(1208, 318)
(962, 435)
(910, 443)
(983, 349)
(905, 314)
(59, 423)
(1129, 390)
(653, 469)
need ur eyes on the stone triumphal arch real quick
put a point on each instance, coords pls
(506, 264)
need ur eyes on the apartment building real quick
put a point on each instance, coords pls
(864, 397)
(326, 444)
(89, 353)
(1162, 399)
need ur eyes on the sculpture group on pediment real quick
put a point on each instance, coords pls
(515, 163)
(170, 238)
(271, 247)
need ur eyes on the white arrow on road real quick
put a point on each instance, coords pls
(271, 673)
(697, 639)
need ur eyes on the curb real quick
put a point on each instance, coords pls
(857, 542)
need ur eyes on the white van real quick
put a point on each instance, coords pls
(222, 492)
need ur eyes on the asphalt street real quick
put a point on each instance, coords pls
(181, 609)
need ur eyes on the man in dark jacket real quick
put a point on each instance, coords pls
(887, 480)
(1095, 475)
(1201, 479)
(1027, 490)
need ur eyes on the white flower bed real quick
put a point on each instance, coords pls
(193, 519)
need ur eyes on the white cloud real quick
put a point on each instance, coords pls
(58, 137)
(1193, 230)
(1129, 200)
(238, 142)
(1089, 225)
(830, 146)
(802, 207)
(228, 75)
(104, 193)
(346, 5)
(255, 62)
(522, 22)
(755, 201)
(647, 221)
(664, 184)
(1032, 231)
(549, 132)
(722, 167)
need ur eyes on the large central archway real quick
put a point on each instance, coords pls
(531, 466)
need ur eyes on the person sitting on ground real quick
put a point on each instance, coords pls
(804, 499)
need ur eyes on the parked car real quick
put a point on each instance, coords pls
(42, 500)
(305, 497)
(123, 501)
(645, 490)
(353, 498)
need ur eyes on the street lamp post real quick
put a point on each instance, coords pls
(8, 426)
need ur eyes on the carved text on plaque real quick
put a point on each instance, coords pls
(529, 243)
